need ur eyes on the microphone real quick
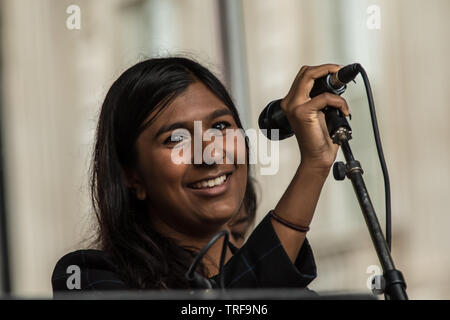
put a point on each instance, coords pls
(273, 117)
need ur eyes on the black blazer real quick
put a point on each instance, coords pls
(260, 263)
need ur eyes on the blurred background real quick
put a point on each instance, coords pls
(55, 71)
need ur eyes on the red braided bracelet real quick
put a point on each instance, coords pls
(288, 224)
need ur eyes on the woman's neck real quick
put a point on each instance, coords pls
(211, 260)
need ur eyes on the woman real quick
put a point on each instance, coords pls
(155, 214)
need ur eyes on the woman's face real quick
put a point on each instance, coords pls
(176, 198)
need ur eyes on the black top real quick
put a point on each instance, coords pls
(260, 263)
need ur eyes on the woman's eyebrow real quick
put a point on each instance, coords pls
(177, 125)
(170, 127)
(219, 112)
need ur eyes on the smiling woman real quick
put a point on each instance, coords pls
(155, 215)
(186, 202)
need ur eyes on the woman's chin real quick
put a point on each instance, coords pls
(219, 215)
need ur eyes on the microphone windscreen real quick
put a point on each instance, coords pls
(348, 73)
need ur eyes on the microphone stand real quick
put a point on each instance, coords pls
(340, 132)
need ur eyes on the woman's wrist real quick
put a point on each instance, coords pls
(298, 203)
(321, 173)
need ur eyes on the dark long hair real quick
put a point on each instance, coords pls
(144, 258)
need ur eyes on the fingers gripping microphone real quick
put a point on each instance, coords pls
(273, 117)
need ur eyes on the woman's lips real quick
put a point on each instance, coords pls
(212, 191)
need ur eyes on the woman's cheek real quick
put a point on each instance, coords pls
(171, 168)
(161, 170)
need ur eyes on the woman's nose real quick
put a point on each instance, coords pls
(208, 147)
(213, 150)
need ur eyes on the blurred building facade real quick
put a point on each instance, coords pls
(54, 80)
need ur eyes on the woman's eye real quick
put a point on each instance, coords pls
(174, 139)
(221, 125)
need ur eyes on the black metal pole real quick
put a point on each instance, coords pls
(395, 285)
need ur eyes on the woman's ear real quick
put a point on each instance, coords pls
(134, 182)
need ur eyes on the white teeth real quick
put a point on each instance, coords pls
(210, 183)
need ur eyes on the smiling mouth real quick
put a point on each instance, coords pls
(210, 183)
